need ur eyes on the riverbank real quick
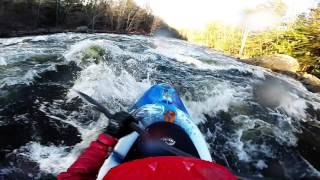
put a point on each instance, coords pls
(311, 82)
(46, 31)
(288, 66)
(25, 18)
(160, 31)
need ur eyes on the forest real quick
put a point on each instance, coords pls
(18, 17)
(299, 38)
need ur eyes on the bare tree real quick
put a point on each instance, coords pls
(132, 18)
(38, 11)
(57, 11)
(108, 14)
(120, 13)
(93, 11)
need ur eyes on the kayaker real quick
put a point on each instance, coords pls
(87, 166)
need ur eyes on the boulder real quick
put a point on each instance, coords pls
(311, 82)
(278, 62)
(286, 65)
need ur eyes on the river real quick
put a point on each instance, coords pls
(256, 122)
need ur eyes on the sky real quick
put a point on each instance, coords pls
(195, 14)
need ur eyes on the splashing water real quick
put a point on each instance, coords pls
(256, 122)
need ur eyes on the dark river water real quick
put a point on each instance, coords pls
(256, 122)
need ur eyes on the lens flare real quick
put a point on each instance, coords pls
(195, 14)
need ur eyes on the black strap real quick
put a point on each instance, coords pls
(161, 144)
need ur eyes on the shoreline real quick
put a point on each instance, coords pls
(45, 31)
(309, 81)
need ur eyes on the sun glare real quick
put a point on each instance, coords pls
(261, 20)
(195, 14)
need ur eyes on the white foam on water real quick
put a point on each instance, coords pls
(210, 106)
(238, 146)
(56, 159)
(235, 141)
(261, 164)
(39, 38)
(174, 54)
(26, 78)
(30, 75)
(260, 73)
(290, 106)
(177, 47)
(285, 137)
(245, 149)
(12, 41)
(261, 148)
(77, 51)
(220, 98)
(3, 61)
(131, 62)
(293, 106)
(189, 54)
(100, 81)
(51, 159)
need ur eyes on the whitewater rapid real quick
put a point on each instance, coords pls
(254, 120)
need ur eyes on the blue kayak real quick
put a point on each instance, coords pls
(161, 112)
